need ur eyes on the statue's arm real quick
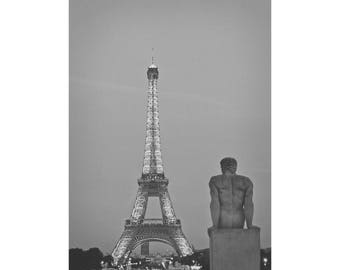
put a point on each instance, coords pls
(214, 204)
(249, 205)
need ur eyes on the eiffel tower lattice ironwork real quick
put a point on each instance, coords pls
(153, 183)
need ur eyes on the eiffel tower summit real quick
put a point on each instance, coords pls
(153, 183)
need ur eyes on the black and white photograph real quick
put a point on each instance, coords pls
(170, 135)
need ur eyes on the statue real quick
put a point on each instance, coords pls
(231, 197)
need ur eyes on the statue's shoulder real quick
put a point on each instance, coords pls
(214, 179)
(244, 179)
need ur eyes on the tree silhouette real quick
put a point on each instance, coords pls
(93, 258)
(77, 259)
(85, 260)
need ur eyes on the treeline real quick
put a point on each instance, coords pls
(93, 259)
(86, 259)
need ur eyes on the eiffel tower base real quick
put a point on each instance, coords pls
(135, 235)
(139, 230)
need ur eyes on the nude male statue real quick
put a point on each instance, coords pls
(231, 197)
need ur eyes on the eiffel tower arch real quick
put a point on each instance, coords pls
(153, 183)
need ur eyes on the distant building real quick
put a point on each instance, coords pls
(145, 249)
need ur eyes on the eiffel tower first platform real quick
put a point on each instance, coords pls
(153, 183)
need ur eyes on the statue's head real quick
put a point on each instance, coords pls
(228, 164)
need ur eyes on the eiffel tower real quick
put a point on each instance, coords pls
(138, 230)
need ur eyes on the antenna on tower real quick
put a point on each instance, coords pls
(152, 57)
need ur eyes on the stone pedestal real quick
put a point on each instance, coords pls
(234, 249)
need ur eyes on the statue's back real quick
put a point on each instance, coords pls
(231, 189)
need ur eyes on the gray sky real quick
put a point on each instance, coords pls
(214, 91)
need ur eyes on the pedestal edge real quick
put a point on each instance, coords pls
(214, 230)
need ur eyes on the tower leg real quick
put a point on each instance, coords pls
(181, 242)
(122, 247)
(167, 208)
(139, 208)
